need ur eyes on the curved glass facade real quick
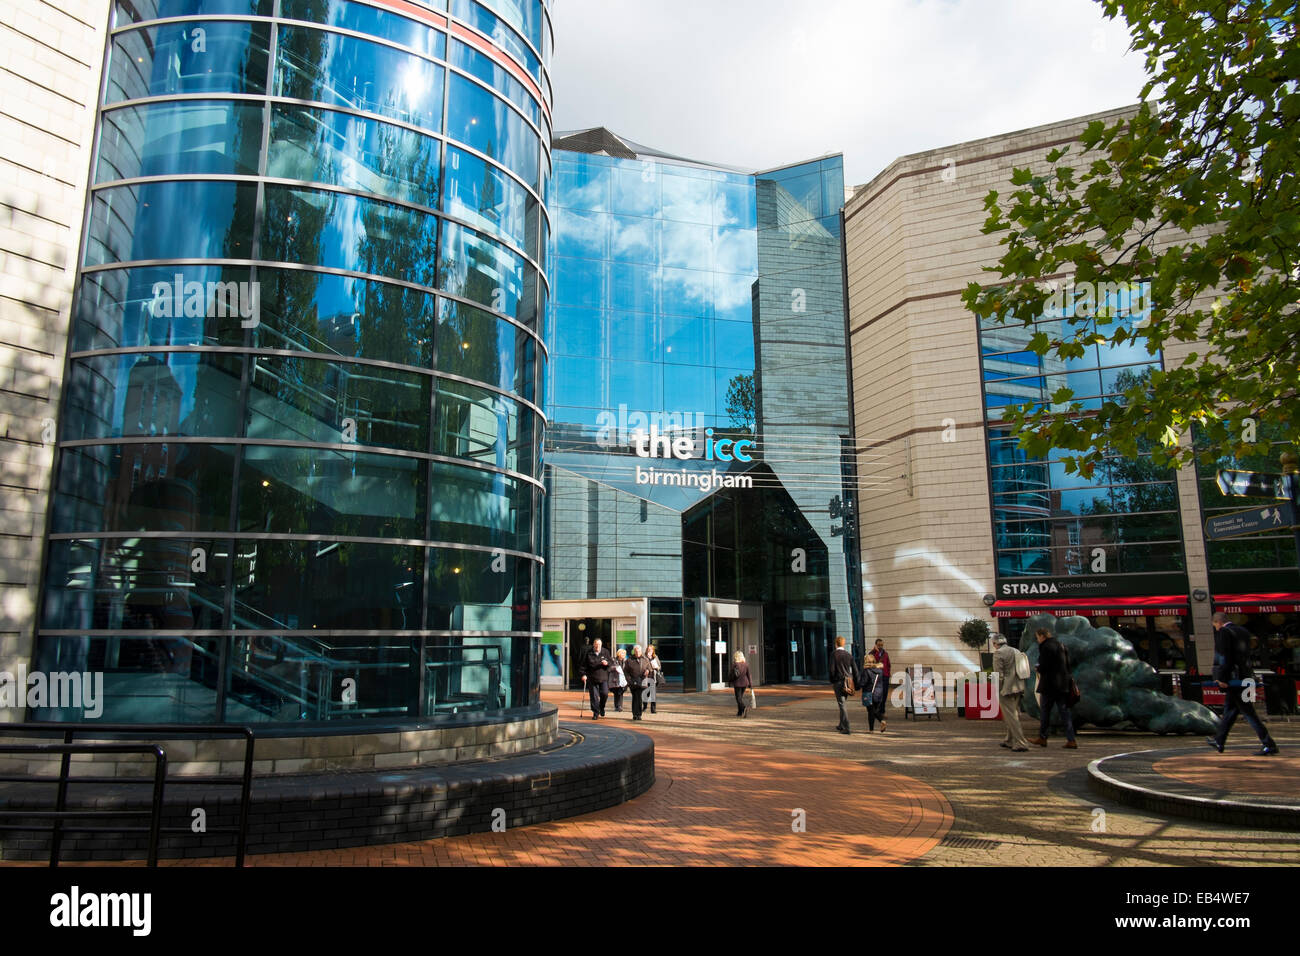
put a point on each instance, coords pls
(300, 446)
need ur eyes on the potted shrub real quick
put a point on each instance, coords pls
(974, 633)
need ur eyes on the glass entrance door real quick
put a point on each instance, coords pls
(582, 633)
(719, 651)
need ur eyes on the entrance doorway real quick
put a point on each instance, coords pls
(719, 653)
(809, 650)
(582, 633)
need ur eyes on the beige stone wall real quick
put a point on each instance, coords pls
(50, 64)
(914, 242)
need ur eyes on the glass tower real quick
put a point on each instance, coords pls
(704, 303)
(298, 469)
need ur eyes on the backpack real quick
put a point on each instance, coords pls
(1022, 665)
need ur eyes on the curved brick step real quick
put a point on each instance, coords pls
(1137, 780)
(590, 768)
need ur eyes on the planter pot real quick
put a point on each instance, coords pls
(979, 700)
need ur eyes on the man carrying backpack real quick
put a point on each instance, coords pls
(1231, 667)
(1011, 688)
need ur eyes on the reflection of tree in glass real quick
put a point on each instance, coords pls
(740, 402)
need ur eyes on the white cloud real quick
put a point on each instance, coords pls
(761, 83)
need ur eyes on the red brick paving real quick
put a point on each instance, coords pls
(712, 804)
(1263, 776)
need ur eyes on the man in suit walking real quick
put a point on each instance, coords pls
(1054, 684)
(1011, 687)
(844, 679)
(1231, 667)
(594, 669)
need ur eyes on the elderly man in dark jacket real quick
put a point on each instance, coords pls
(1054, 686)
(594, 668)
(844, 679)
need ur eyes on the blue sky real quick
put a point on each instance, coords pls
(759, 83)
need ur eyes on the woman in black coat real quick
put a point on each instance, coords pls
(740, 682)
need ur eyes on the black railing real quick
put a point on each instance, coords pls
(61, 813)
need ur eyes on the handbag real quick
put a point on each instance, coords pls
(753, 698)
(659, 677)
(1073, 695)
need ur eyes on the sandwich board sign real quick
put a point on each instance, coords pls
(920, 697)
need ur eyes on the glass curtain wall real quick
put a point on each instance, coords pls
(703, 303)
(298, 473)
(1124, 519)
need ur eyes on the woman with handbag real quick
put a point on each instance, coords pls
(741, 682)
(873, 691)
(617, 679)
(656, 666)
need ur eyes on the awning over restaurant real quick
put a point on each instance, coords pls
(1280, 602)
(1153, 606)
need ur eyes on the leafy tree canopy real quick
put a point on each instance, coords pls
(1184, 214)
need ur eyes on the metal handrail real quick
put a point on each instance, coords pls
(60, 811)
(69, 731)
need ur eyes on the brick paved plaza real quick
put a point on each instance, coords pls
(927, 793)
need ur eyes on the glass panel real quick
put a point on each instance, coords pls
(135, 583)
(314, 312)
(119, 308)
(347, 232)
(317, 401)
(481, 346)
(687, 199)
(209, 56)
(483, 121)
(498, 77)
(579, 332)
(485, 426)
(476, 590)
(687, 246)
(636, 189)
(153, 395)
(499, 32)
(583, 182)
(690, 389)
(479, 507)
(137, 11)
(477, 268)
(366, 19)
(294, 585)
(687, 341)
(632, 335)
(580, 233)
(344, 71)
(633, 239)
(140, 222)
(180, 139)
(687, 292)
(486, 197)
(167, 486)
(316, 491)
(344, 150)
